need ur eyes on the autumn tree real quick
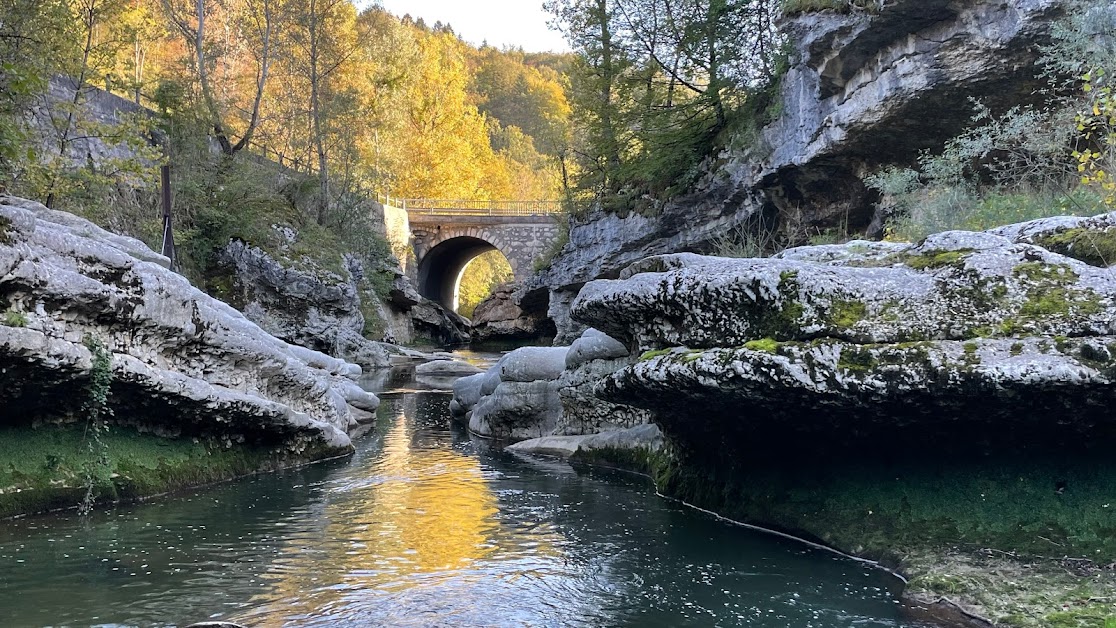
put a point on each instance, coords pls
(259, 19)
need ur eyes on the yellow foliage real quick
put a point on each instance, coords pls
(1097, 124)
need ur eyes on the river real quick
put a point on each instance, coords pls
(425, 526)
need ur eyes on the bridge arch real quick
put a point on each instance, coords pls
(441, 267)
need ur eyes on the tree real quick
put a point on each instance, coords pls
(657, 82)
(33, 45)
(260, 19)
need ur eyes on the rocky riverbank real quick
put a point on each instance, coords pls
(941, 407)
(121, 376)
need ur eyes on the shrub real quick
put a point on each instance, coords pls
(1029, 162)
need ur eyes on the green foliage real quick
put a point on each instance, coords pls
(481, 276)
(96, 409)
(655, 87)
(744, 242)
(1029, 162)
(13, 318)
(797, 7)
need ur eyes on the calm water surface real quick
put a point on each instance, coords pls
(424, 527)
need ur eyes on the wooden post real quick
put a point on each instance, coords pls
(168, 233)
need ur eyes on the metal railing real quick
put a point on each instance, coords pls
(463, 207)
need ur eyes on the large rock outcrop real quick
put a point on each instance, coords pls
(311, 308)
(818, 336)
(915, 403)
(500, 318)
(865, 89)
(517, 398)
(183, 365)
(543, 398)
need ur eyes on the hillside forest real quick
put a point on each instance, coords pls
(288, 112)
(299, 112)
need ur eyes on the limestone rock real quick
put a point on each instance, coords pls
(314, 309)
(447, 368)
(943, 342)
(515, 399)
(583, 412)
(594, 345)
(467, 392)
(439, 324)
(517, 411)
(184, 364)
(531, 364)
(952, 286)
(645, 437)
(500, 318)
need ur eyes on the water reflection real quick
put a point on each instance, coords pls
(425, 528)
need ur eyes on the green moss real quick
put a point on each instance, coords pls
(970, 348)
(781, 320)
(1058, 274)
(983, 331)
(651, 355)
(845, 314)
(857, 360)
(1017, 348)
(941, 259)
(5, 230)
(652, 463)
(765, 345)
(13, 318)
(890, 312)
(1051, 293)
(1094, 247)
(692, 356)
(46, 468)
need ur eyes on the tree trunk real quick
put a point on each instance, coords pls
(316, 115)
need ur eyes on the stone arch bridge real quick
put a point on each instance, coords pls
(447, 234)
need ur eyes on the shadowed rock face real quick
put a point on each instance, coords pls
(950, 389)
(864, 90)
(500, 318)
(184, 364)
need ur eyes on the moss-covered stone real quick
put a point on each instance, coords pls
(5, 228)
(50, 467)
(935, 260)
(1093, 246)
(857, 360)
(651, 355)
(766, 345)
(845, 313)
(781, 320)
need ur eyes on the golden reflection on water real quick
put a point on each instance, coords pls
(419, 512)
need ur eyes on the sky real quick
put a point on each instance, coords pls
(501, 23)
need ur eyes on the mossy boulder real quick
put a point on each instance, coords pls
(173, 365)
(942, 406)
